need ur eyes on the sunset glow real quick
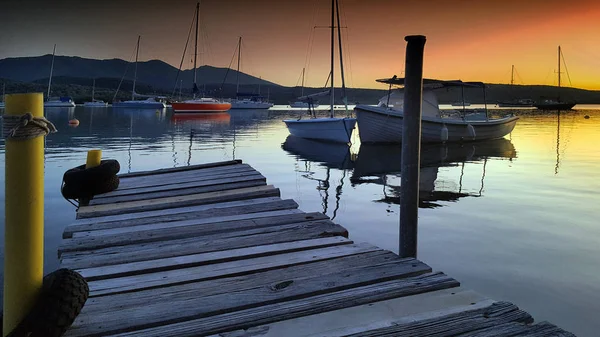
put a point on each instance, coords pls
(470, 40)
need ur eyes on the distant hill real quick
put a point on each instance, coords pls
(155, 73)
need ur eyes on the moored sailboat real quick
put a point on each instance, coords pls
(333, 128)
(299, 103)
(56, 102)
(555, 104)
(203, 104)
(515, 103)
(95, 103)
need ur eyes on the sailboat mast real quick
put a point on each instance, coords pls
(196, 47)
(237, 87)
(332, 54)
(559, 66)
(344, 98)
(137, 52)
(302, 89)
(512, 75)
(51, 70)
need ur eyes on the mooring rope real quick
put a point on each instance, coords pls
(26, 126)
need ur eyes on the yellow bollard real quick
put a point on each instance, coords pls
(93, 158)
(24, 211)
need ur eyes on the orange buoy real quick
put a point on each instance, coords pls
(74, 122)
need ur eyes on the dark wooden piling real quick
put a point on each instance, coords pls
(411, 146)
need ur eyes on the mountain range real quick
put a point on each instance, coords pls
(73, 76)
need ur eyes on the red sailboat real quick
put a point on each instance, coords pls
(203, 104)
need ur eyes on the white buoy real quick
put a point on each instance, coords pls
(444, 135)
(471, 131)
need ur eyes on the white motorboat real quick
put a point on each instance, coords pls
(331, 128)
(383, 123)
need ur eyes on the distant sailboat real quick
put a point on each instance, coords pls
(150, 103)
(56, 102)
(523, 102)
(95, 103)
(204, 104)
(551, 104)
(303, 104)
(328, 129)
(247, 100)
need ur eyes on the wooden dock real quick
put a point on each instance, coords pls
(212, 250)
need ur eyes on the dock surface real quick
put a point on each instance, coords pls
(212, 250)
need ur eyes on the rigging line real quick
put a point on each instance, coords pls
(566, 69)
(310, 35)
(347, 43)
(124, 74)
(183, 55)
(229, 67)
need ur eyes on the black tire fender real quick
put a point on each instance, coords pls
(82, 176)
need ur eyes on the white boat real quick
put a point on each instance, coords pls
(246, 100)
(151, 102)
(461, 104)
(56, 102)
(383, 123)
(327, 129)
(303, 104)
(95, 103)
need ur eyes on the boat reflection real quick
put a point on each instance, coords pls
(381, 165)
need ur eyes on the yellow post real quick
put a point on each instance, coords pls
(93, 158)
(24, 211)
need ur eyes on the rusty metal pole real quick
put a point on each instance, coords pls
(411, 145)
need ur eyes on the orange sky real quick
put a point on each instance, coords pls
(466, 39)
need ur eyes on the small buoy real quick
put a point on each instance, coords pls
(74, 122)
(586, 116)
(444, 135)
(471, 131)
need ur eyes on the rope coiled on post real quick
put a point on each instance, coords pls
(26, 126)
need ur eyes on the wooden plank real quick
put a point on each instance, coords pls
(169, 211)
(208, 186)
(196, 212)
(233, 268)
(193, 260)
(159, 179)
(179, 201)
(370, 316)
(95, 242)
(151, 181)
(237, 283)
(213, 314)
(195, 245)
(172, 225)
(179, 169)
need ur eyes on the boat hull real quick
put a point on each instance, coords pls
(302, 105)
(208, 107)
(380, 125)
(250, 105)
(95, 104)
(59, 105)
(325, 129)
(555, 106)
(139, 105)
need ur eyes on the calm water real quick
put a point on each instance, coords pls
(514, 219)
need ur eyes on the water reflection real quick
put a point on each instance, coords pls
(381, 165)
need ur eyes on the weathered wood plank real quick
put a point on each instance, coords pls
(261, 294)
(172, 191)
(183, 183)
(196, 175)
(172, 225)
(170, 211)
(195, 245)
(542, 329)
(179, 169)
(237, 283)
(194, 274)
(371, 316)
(152, 235)
(196, 212)
(179, 201)
(186, 261)
(224, 320)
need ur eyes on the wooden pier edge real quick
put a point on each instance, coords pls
(179, 259)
